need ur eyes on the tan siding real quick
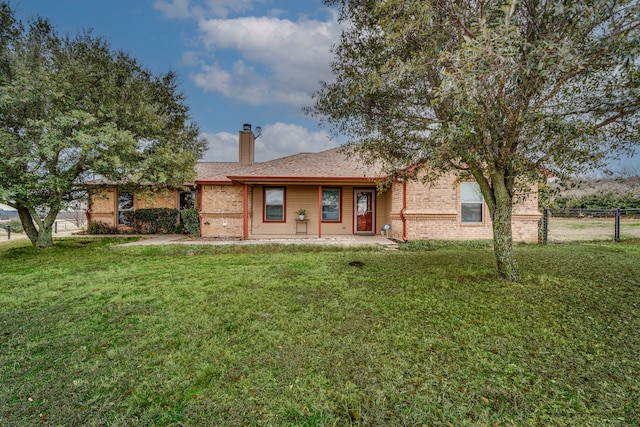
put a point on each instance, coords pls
(302, 197)
(296, 197)
(383, 210)
(345, 226)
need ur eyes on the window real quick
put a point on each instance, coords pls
(471, 201)
(274, 208)
(187, 200)
(125, 207)
(331, 204)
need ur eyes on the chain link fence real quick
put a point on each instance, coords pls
(567, 225)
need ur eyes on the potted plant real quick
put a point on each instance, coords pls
(301, 213)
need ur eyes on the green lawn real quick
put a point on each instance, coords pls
(94, 334)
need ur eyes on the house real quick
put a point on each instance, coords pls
(338, 193)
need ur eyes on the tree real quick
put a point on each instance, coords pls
(72, 109)
(498, 90)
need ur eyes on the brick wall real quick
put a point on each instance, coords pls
(103, 203)
(102, 206)
(221, 210)
(433, 212)
(158, 199)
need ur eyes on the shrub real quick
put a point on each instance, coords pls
(98, 227)
(190, 221)
(154, 220)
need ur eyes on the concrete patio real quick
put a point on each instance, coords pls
(340, 240)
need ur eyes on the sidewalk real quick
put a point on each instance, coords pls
(340, 240)
(178, 239)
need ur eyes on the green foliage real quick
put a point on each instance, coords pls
(154, 220)
(603, 200)
(499, 90)
(244, 336)
(610, 193)
(15, 224)
(99, 227)
(191, 221)
(546, 195)
(72, 108)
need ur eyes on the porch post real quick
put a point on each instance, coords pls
(245, 212)
(319, 211)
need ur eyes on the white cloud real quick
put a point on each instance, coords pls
(277, 140)
(259, 60)
(242, 84)
(182, 9)
(223, 147)
(175, 9)
(296, 56)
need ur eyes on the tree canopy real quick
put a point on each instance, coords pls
(499, 90)
(73, 109)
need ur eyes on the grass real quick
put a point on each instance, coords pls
(95, 334)
(588, 229)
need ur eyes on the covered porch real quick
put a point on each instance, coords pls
(293, 209)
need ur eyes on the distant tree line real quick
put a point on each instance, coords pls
(608, 193)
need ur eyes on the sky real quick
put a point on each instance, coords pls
(239, 61)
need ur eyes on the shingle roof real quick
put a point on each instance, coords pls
(331, 164)
(217, 171)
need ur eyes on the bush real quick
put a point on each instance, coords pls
(601, 200)
(190, 221)
(618, 193)
(98, 227)
(15, 224)
(154, 220)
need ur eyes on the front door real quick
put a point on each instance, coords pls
(365, 211)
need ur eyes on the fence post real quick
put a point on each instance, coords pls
(8, 232)
(55, 227)
(545, 225)
(617, 226)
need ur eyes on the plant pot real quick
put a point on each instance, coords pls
(301, 217)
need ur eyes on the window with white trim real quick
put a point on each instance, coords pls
(471, 201)
(331, 204)
(274, 207)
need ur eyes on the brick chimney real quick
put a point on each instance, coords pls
(247, 145)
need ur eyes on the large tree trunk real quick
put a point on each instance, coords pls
(501, 214)
(40, 236)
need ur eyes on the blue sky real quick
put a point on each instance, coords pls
(239, 61)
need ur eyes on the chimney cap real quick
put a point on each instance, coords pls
(246, 127)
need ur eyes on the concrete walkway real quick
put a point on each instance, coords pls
(338, 240)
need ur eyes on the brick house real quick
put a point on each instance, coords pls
(338, 193)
